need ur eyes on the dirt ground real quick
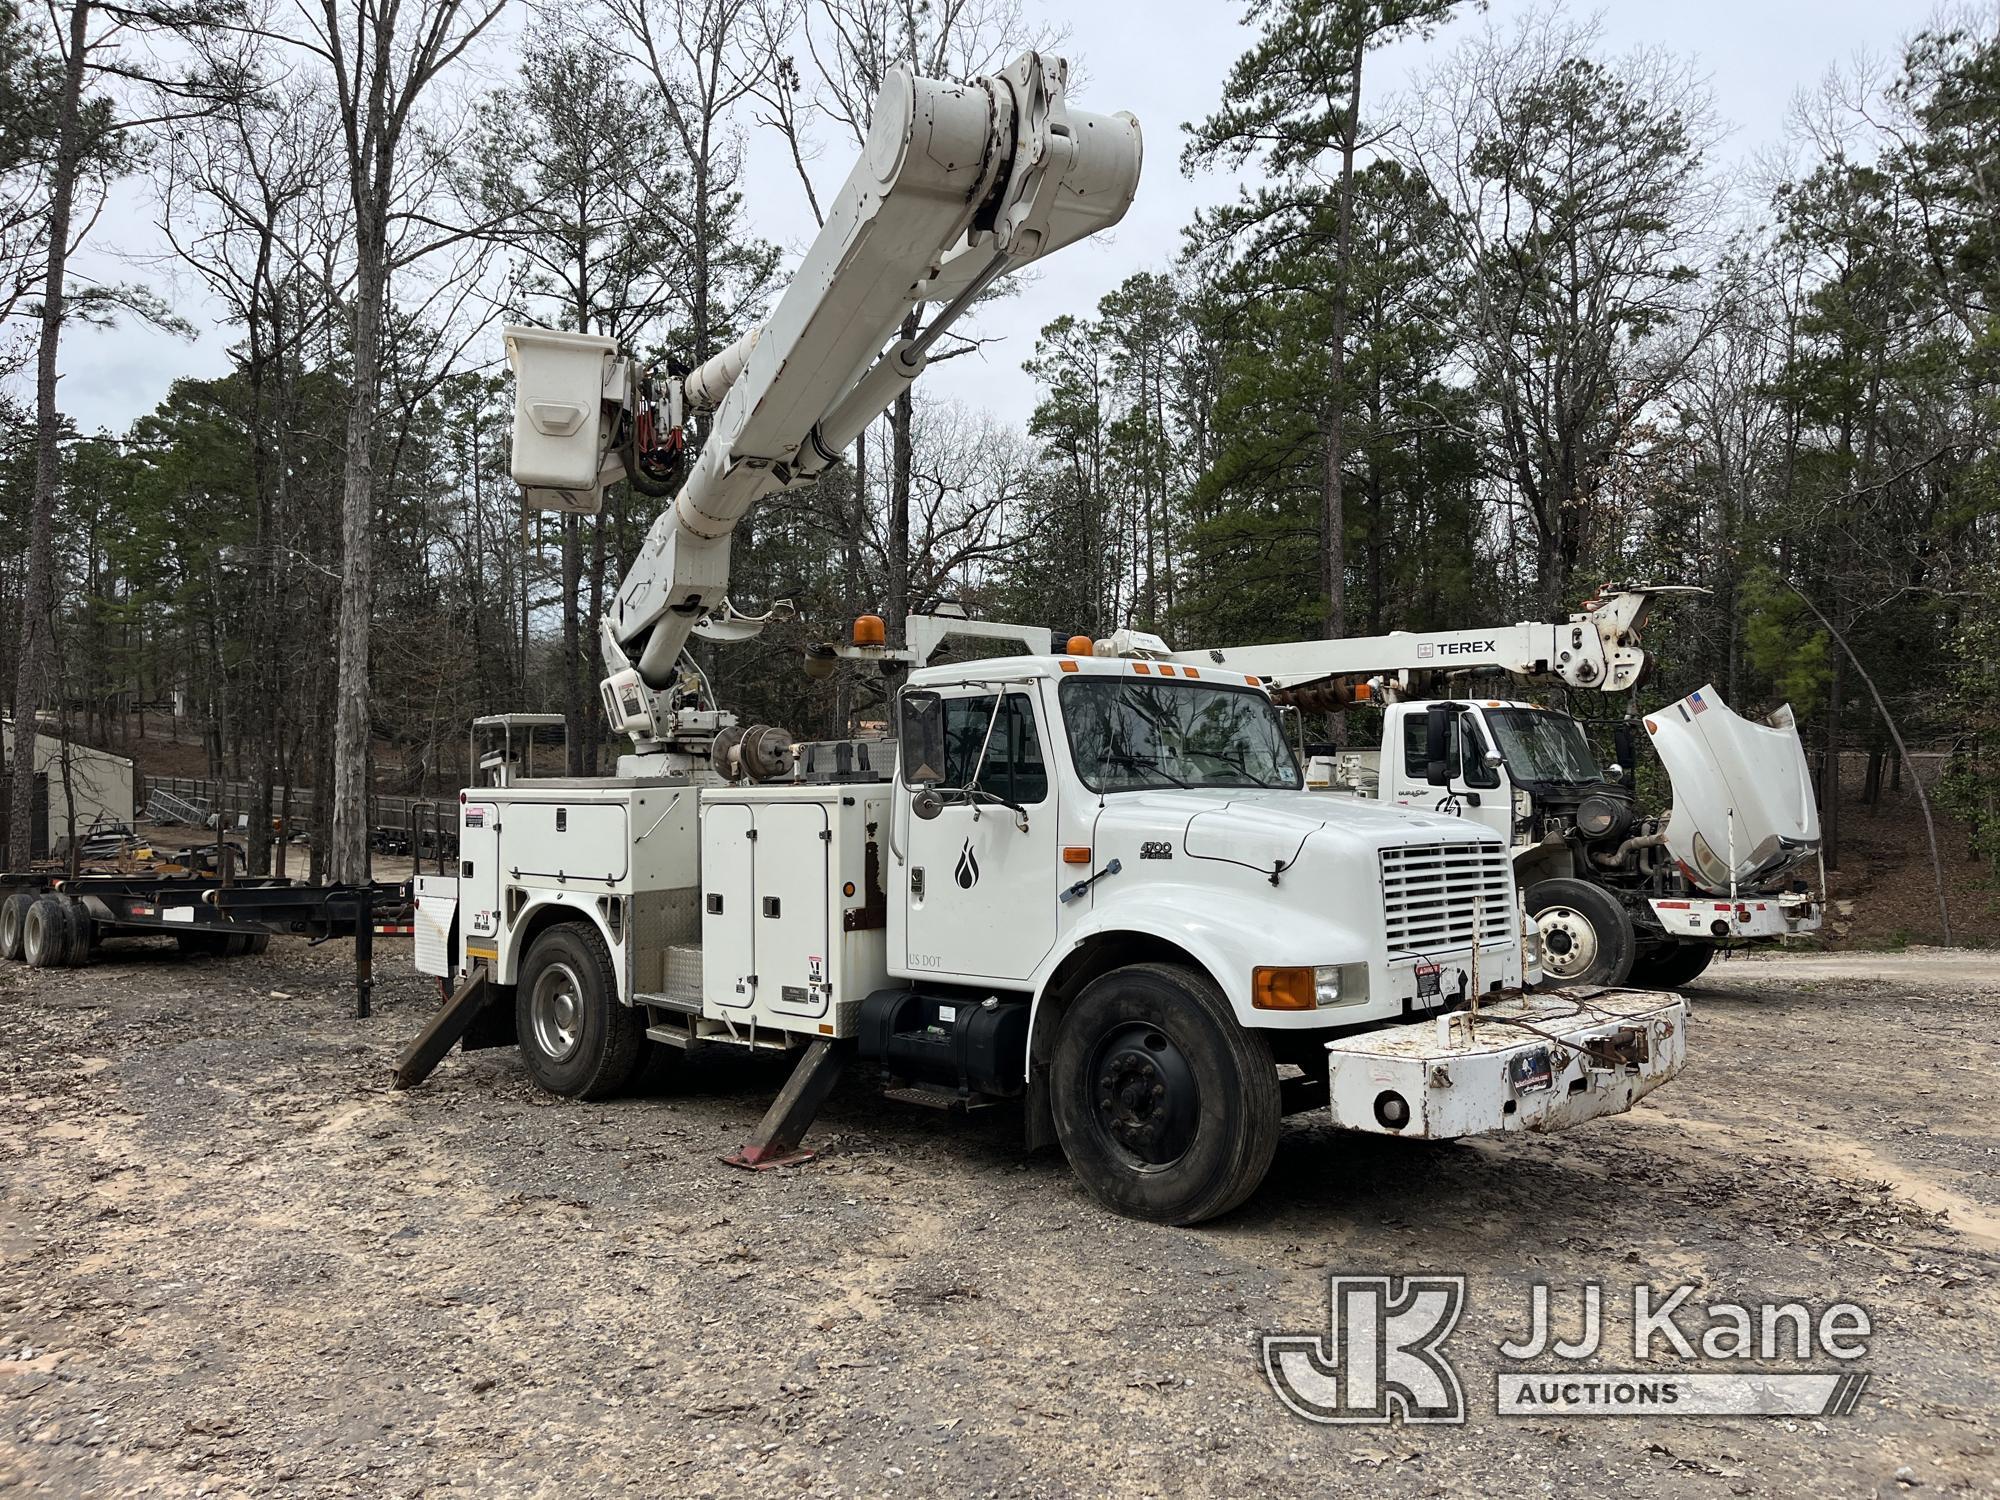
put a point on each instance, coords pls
(232, 1260)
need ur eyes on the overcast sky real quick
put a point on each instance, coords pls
(1164, 60)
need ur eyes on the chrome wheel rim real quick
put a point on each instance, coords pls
(556, 1011)
(1569, 942)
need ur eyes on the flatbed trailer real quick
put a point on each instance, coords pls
(52, 920)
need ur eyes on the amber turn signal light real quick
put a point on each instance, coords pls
(1076, 854)
(1282, 989)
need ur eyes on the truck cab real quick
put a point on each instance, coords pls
(1619, 894)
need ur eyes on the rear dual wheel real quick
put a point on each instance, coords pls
(55, 933)
(13, 918)
(1671, 965)
(577, 1038)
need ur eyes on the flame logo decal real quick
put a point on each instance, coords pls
(967, 871)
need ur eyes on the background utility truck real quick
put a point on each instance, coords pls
(1620, 894)
(1095, 884)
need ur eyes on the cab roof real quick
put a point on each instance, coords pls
(1029, 668)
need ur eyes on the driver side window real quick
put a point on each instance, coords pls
(1014, 767)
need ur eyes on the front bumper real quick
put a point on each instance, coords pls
(1590, 1052)
(1747, 917)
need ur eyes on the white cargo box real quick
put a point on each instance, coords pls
(794, 914)
(559, 393)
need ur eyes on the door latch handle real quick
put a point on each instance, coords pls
(917, 881)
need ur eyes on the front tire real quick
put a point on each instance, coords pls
(1586, 936)
(1166, 1107)
(1670, 967)
(577, 1039)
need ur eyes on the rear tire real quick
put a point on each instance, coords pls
(45, 934)
(1670, 967)
(1586, 936)
(1166, 1107)
(77, 916)
(577, 1039)
(13, 915)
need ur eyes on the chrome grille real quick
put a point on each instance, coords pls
(1437, 897)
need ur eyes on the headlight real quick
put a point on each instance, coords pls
(1309, 989)
(1531, 945)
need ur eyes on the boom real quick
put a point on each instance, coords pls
(958, 185)
(1597, 648)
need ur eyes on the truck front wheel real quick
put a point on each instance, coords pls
(1166, 1107)
(1671, 966)
(1586, 936)
(575, 1036)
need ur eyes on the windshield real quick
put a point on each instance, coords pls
(1130, 733)
(1541, 746)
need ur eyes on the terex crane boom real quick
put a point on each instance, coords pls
(958, 185)
(1097, 887)
(1617, 893)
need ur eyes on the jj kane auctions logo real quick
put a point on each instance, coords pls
(1383, 1357)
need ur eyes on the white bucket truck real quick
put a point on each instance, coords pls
(1097, 884)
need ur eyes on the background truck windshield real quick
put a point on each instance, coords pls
(1541, 746)
(1126, 733)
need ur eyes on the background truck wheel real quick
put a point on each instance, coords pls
(1670, 966)
(13, 917)
(45, 934)
(575, 1036)
(1586, 936)
(199, 944)
(1166, 1107)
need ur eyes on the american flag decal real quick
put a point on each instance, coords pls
(1699, 706)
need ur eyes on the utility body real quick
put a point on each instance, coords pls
(1095, 884)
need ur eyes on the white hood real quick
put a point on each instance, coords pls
(1738, 786)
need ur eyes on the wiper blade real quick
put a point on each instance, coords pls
(1144, 763)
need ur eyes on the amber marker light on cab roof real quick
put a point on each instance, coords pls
(1069, 666)
(1080, 645)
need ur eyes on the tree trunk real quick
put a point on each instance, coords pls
(1333, 501)
(347, 861)
(38, 584)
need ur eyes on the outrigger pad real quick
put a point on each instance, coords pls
(453, 1020)
(775, 1142)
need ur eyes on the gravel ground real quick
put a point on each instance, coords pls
(232, 1260)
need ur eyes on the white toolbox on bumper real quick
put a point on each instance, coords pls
(1542, 1061)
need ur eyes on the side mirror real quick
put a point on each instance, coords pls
(926, 803)
(920, 738)
(1437, 742)
(1614, 772)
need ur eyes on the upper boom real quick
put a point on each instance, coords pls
(958, 185)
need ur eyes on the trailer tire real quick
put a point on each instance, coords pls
(1587, 937)
(1671, 965)
(45, 934)
(256, 942)
(577, 1039)
(77, 918)
(13, 916)
(1165, 1105)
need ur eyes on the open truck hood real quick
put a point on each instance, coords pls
(1738, 786)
